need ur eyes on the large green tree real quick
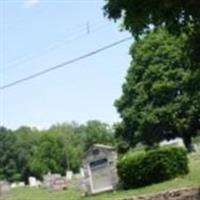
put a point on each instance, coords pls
(9, 169)
(73, 147)
(48, 156)
(161, 95)
(95, 131)
(139, 17)
(27, 140)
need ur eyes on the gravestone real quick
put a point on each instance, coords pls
(173, 142)
(21, 184)
(100, 172)
(4, 187)
(55, 182)
(69, 175)
(33, 182)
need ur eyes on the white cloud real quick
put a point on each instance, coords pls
(31, 3)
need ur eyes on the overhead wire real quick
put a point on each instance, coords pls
(63, 64)
(65, 40)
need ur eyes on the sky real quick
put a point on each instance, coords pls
(38, 34)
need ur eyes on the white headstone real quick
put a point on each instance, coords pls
(33, 182)
(176, 142)
(82, 173)
(13, 185)
(69, 175)
(21, 184)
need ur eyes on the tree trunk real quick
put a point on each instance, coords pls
(188, 144)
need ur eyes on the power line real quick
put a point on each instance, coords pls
(27, 57)
(45, 71)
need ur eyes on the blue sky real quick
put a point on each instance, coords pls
(37, 34)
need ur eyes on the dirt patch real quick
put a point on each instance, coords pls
(183, 194)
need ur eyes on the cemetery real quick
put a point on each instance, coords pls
(99, 175)
(145, 88)
(175, 188)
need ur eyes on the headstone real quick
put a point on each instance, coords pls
(17, 184)
(13, 185)
(77, 176)
(99, 169)
(21, 184)
(174, 142)
(59, 184)
(82, 172)
(33, 182)
(4, 187)
(55, 182)
(69, 175)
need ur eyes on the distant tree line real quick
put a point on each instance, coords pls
(31, 152)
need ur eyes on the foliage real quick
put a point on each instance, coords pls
(27, 139)
(71, 142)
(48, 156)
(139, 16)
(161, 94)
(30, 152)
(122, 147)
(8, 165)
(197, 138)
(144, 168)
(96, 132)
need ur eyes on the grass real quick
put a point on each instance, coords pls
(190, 180)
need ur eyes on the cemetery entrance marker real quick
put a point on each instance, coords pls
(100, 173)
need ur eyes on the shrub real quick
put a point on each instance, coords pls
(197, 138)
(153, 166)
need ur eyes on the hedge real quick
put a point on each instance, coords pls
(153, 166)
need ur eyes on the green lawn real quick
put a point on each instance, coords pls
(190, 180)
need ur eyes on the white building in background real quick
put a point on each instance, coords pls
(100, 172)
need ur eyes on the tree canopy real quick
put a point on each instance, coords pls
(161, 93)
(138, 15)
(177, 16)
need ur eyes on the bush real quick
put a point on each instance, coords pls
(153, 166)
(197, 139)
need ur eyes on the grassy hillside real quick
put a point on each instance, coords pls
(190, 180)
